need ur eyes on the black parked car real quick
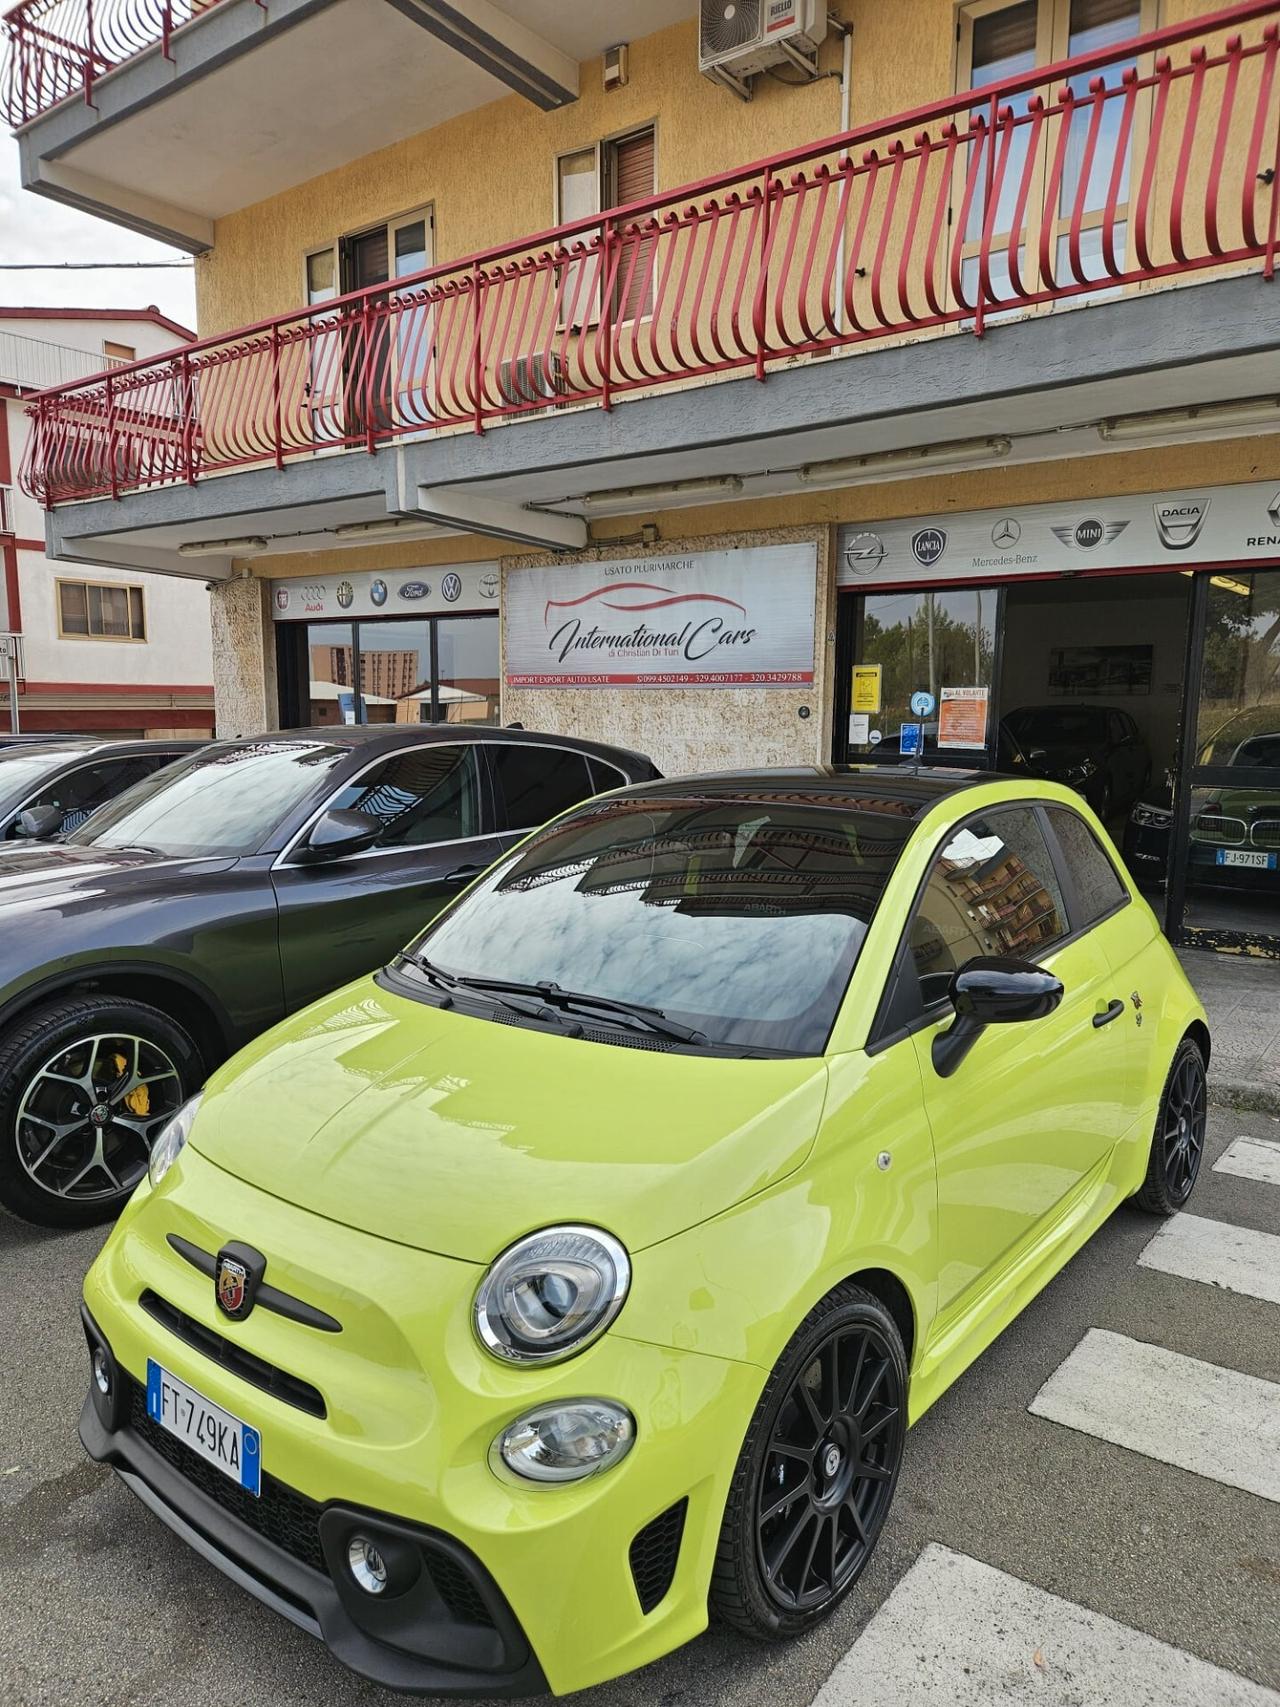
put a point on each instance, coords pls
(211, 900)
(48, 787)
(1096, 749)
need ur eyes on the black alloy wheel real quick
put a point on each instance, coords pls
(818, 1470)
(1177, 1146)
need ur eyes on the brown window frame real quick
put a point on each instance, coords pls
(130, 588)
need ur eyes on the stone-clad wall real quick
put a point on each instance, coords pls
(696, 729)
(244, 657)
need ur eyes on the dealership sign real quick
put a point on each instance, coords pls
(735, 618)
(1209, 526)
(445, 590)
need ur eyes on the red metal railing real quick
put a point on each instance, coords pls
(1141, 163)
(56, 48)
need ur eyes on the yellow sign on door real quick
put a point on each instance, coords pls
(866, 687)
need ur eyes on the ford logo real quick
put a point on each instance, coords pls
(415, 590)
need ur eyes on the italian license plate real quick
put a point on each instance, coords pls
(228, 1443)
(1237, 856)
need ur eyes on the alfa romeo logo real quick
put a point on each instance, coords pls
(346, 594)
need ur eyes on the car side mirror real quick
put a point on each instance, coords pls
(335, 835)
(38, 823)
(992, 990)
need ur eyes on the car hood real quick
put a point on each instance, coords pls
(457, 1135)
(33, 871)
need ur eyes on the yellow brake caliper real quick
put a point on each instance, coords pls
(138, 1100)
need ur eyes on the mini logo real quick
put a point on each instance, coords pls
(233, 1287)
(928, 545)
(489, 586)
(282, 598)
(1179, 524)
(451, 588)
(377, 592)
(1085, 535)
(415, 590)
(864, 553)
(346, 594)
(1006, 533)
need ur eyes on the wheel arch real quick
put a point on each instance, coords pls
(892, 1292)
(189, 1003)
(1198, 1032)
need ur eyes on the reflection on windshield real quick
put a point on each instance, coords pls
(742, 918)
(21, 769)
(1046, 725)
(223, 800)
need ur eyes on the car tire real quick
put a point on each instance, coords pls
(817, 1472)
(86, 1085)
(1177, 1144)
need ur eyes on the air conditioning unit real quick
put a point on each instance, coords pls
(737, 39)
(532, 379)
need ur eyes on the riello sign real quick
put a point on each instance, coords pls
(736, 618)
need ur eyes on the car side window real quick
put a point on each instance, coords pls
(1117, 728)
(82, 791)
(605, 776)
(535, 783)
(1097, 885)
(431, 794)
(993, 889)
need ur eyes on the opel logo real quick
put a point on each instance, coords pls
(864, 553)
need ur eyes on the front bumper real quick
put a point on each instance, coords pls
(412, 1405)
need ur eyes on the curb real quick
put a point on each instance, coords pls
(1246, 1095)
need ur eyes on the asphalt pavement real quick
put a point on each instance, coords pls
(100, 1604)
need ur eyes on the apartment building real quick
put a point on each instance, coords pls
(744, 382)
(102, 649)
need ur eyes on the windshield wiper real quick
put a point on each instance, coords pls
(449, 982)
(556, 996)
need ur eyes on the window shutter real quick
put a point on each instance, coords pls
(633, 162)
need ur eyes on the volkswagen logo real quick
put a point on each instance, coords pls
(863, 553)
(928, 545)
(451, 588)
(1006, 533)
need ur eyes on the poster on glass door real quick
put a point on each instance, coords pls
(731, 618)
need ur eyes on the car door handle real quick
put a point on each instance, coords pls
(463, 874)
(1113, 1011)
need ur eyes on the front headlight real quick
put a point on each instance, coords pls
(551, 1294)
(1151, 817)
(566, 1442)
(172, 1140)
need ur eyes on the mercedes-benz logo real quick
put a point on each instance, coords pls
(1006, 533)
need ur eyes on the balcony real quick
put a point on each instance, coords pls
(1098, 181)
(33, 364)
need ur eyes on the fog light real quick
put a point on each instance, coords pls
(567, 1442)
(101, 1372)
(367, 1565)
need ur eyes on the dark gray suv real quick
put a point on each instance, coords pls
(206, 903)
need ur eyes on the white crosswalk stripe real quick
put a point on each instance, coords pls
(1251, 1158)
(958, 1633)
(1218, 1254)
(1215, 1422)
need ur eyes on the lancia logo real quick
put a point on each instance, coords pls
(1179, 524)
(928, 545)
(232, 1287)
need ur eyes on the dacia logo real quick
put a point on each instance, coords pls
(1179, 524)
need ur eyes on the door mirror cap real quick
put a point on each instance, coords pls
(992, 990)
(38, 823)
(336, 835)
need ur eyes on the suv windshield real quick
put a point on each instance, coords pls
(22, 768)
(1050, 725)
(740, 918)
(221, 800)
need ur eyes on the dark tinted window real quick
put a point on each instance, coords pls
(80, 792)
(1098, 888)
(605, 776)
(1048, 725)
(743, 918)
(993, 890)
(431, 794)
(537, 783)
(222, 800)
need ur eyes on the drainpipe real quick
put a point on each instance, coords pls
(846, 121)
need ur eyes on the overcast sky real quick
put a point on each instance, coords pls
(33, 228)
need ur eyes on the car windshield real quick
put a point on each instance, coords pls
(25, 768)
(222, 800)
(740, 918)
(1048, 725)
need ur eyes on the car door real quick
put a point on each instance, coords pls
(534, 781)
(1034, 1109)
(347, 917)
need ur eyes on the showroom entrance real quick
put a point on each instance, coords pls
(1153, 690)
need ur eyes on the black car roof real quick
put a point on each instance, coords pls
(82, 747)
(901, 789)
(371, 736)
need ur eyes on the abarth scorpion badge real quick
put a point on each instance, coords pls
(237, 1275)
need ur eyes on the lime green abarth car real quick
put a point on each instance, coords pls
(577, 1275)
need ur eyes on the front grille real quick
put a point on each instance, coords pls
(281, 1515)
(654, 1553)
(255, 1370)
(288, 1519)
